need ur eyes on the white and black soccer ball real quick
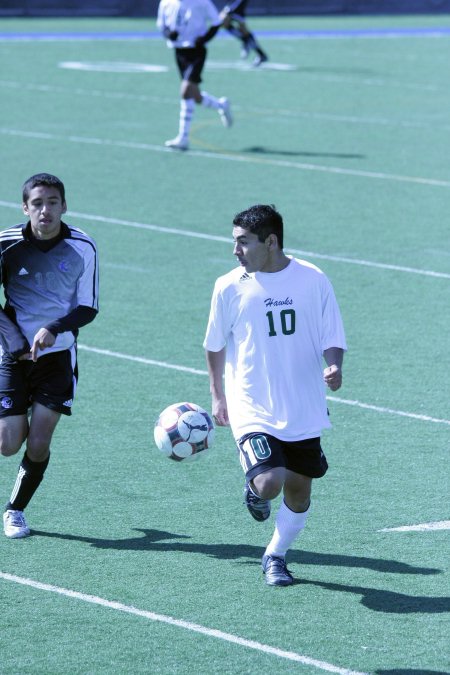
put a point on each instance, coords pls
(184, 431)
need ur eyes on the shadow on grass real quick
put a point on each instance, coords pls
(159, 540)
(261, 150)
(374, 599)
(388, 601)
(408, 671)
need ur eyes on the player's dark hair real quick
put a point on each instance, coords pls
(42, 179)
(262, 220)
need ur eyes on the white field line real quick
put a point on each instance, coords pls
(195, 371)
(227, 157)
(227, 240)
(389, 411)
(179, 623)
(277, 112)
(423, 527)
(90, 93)
(140, 359)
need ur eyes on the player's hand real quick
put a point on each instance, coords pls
(220, 413)
(42, 339)
(333, 377)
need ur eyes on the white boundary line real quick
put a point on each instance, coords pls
(187, 625)
(195, 371)
(294, 114)
(423, 527)
(140, 359)
(390, 411)
(227, 240)
(228, 157)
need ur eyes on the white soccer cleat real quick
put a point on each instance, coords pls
(225, 112)
(15, 525)
(178, 143)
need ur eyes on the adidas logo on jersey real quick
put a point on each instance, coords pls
(23, 272)
(244, 277)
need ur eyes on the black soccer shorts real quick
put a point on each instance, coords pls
(236, 10)
(259, 452)
(51, 381)
(190, 62)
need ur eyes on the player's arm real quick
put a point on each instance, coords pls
(12, 340)
(210, 33)
(216, 364)
(46, 336)
(167, 32)
(170, 34)
(77, 318)
(215, 23)
(332, 375)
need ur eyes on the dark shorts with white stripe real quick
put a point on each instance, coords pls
(190, 62)
(260, 452)
(51, 381)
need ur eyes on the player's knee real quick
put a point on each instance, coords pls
(298, 497)
(38, 452)
(9, 447)
(38, 447)
(10, 440)
(269, 484)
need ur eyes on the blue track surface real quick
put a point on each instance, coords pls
(443, 31)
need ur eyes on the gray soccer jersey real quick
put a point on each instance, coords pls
(43, 286)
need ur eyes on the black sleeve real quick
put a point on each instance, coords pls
(12, 340)
(170, 34)
(78, 317)
(207, 36)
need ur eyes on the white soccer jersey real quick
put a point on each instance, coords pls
(190, 18)
(275, 327)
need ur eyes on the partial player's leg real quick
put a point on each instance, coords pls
(13, 432)
(237, 29)
(31, 470)
(290, 521)
(263, 463)
(42, 426)
(13, 427)
(305, 460)
(249, 42)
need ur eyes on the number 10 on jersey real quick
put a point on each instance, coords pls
(285, 322)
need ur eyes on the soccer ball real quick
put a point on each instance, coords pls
(184, 431)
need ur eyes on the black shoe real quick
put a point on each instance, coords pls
(277, 574)
(258, 507)
(260, 58)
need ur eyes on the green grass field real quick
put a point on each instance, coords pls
(141, 565)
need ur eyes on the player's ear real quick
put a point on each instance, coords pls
(64, 207)
(25, 208)
(272, 241)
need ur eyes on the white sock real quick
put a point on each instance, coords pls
(210, 101)
(288, 526)
(187, 107)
